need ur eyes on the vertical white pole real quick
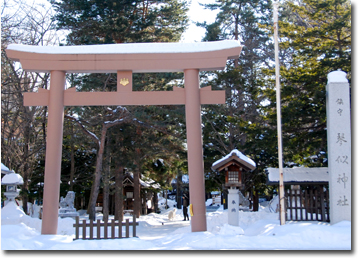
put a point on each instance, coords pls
(279, 120)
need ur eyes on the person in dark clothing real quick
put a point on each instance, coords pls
(185, 204)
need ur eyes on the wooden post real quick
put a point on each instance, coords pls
(127, 228)
(84, 229)
(112, 228)
(311, 203)
(77, 229)
(98, 228)
(105, 229)
(134, 226)
(322, 207)
(91, 229)
(120, 229)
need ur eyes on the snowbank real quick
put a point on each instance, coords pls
(256, 231)
(162, 204)
(11, 214)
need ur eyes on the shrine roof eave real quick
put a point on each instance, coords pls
(298, 175)
(136, 57)
(233, 159)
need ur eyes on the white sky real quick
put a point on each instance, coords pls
(198, 14)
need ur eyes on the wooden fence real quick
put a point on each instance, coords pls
(308, 203)
(103, 227)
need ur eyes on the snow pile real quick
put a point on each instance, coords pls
(162, 204)
(231, 230)
(11, 214)
(209, 202)
(256, 231)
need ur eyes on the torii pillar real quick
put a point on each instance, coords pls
(124, 59)
(52, 176)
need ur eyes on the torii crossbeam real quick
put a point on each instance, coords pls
(124, 59)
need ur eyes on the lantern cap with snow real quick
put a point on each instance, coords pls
(11, 181)
(235, 164)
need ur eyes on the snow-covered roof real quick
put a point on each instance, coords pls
(136, 57)
(150, 183)
(12, 179)
(299, 175)
(5, 169)
(129, 48)
(146, 183)
(235, 154)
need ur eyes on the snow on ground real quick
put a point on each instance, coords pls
(256, 231)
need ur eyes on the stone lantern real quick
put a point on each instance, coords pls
(11, 181)
(235, 165)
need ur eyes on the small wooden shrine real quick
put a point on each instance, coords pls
(235, 165)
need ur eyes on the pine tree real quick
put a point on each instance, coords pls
(316, 39)
(119, 21)
(232, 125)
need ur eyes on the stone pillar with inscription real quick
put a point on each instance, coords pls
(233, 201)
(339, 146)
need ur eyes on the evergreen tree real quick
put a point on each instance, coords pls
(316, 39)
(119, 21)
(231, 126)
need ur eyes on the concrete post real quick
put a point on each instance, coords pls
(339, 146)
(233, 206)
(53, 153)
(195, 150)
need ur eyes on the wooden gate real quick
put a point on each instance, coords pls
(307, 203)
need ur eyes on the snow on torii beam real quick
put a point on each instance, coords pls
(124, 59)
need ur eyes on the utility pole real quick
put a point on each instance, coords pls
(279, 116)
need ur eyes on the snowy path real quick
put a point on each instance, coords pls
(151, 232)
(256, 231)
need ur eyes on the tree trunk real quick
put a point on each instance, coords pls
(91, 210)
(155, 201)
(119, 193)
(106, 190)
(106, 196)
(26, 168)
(144, 204)
(72, 170)
(136, 190)
(179, 190)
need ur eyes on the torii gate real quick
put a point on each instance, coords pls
(124, 59)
